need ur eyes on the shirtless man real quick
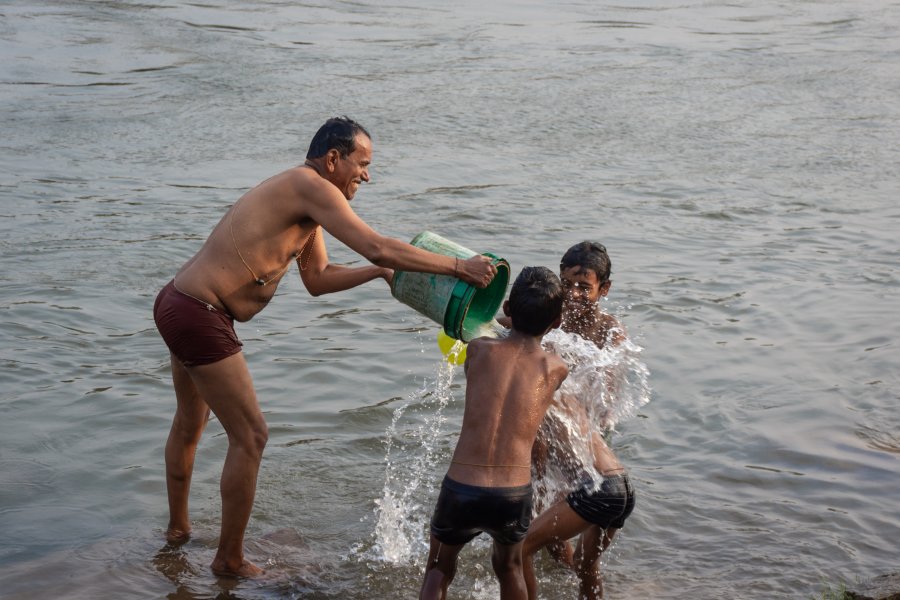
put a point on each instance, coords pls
(233, 277)
(487, 488)
(595, 513)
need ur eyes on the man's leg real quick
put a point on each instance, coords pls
(227, 388)
(507, 563)
(553, 526)
(440, 570)
(191, 415)
(592, 544)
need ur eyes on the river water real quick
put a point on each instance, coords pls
(739, 159)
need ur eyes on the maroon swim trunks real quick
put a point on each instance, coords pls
(196, 332)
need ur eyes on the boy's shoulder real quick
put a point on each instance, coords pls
(479, 348)
(607, 330)
(613, 330)
(491, 344)
(557, 365)
(502, 345)
(609, 323)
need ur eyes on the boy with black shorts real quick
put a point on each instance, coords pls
(511, 382)
(595, 512)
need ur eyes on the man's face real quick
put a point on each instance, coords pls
(583, 290)
(350, 171)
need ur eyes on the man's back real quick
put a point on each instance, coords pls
(511, 383)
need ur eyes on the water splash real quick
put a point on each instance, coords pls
(605, 386)
(415, 455)
(610, 385)
(413, 451)
(490, 329)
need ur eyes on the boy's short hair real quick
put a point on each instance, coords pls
(535, 300)
(588, 255)
(338, 133)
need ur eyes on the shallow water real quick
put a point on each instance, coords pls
(738, 159)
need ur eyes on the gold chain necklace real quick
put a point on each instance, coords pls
(259, 280)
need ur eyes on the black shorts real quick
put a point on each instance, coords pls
(463, 511)
(607, 507)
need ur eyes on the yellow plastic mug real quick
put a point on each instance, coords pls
(453, 350)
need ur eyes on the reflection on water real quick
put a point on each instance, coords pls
(292, 568)
(879, 440)
(173, 563)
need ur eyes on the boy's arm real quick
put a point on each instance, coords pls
(540, 450)
(551, 432)
(562, 370)
(472, 349)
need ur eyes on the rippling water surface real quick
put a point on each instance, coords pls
(738, 159)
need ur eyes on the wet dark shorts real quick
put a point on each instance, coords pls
(195, 332)
(463, 511)
(607, 507)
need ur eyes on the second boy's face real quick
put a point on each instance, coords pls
(583, 290)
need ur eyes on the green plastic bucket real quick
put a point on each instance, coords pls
(461, 309)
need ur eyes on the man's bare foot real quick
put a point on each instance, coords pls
(177, 536)
(247, 569)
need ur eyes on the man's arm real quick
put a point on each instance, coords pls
(327, 207)
(321, 277)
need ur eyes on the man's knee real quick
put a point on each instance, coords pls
(250, 437)
(261, 436)
(256, 438)
(188, 429)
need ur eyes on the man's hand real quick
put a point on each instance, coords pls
(478, 270)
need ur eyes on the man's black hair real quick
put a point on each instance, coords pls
(338, 133)
(588, 255)
(535, 300)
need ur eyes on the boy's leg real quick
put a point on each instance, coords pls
(553, 526)
(562, 552)
(507, 563)
(440, 570)
(191, 415)
(591, 545)
(528, 575)
(227, 388)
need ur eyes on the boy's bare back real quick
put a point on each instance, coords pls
(511, 383)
